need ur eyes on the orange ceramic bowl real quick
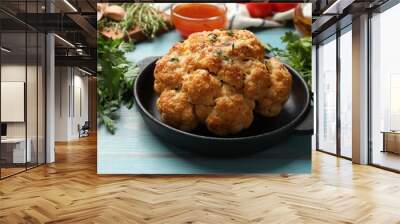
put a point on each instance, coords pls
(189, 18)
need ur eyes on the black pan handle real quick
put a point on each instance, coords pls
(146, 61)
(306, 127)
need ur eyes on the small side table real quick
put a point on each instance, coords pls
(391, 141)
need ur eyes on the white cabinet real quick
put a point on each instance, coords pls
(17, 146)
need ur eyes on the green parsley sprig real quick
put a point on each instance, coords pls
(297, 54)
(115, 79)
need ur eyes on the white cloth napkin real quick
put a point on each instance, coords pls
(239, 17)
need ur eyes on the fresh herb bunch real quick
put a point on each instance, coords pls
(115, 79)
(139, 15)
(297, 54)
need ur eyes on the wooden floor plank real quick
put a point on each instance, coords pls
(70, 191)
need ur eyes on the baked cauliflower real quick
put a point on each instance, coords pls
(219, 79)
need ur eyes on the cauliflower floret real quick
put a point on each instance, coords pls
(202, 112)
(278, 93)
(176, 111)
(201, 87)
(168, 74)
(228, 90)
(257, 80)
(230, 115)
(232, 74)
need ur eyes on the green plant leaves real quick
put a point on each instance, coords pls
(297, 54)
(115, 79)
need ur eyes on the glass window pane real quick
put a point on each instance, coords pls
(346, 94)
(385, 84)
(13, 86)
(31, 97)
(327, 97)
(23, 87)
(41, 99)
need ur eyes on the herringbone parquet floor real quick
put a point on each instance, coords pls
(69, 191)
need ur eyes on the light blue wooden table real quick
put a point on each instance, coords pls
(135, 150)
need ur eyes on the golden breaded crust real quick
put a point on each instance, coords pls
(230, 115)
(202, 112)
(168, 75)
(216, 78)
(231, 74)
(176, 111)
(256, 83)
(201, 87)
(278, 93)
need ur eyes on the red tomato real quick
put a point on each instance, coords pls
(259, 10)
(282, 7)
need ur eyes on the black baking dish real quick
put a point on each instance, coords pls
(295, 118)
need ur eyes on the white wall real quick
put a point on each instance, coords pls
(81, 94)
(16, 73)
(13, 101)
(10, 73)
(61, 103)
(70, 83)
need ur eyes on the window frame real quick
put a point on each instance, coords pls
(337, 34)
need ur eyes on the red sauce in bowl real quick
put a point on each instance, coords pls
(196, 17)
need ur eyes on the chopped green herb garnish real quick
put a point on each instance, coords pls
(212, 37)
(174, 59)
(230, 33)
(233, 46)
(221, 55)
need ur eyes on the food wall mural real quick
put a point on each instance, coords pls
(200, 88)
